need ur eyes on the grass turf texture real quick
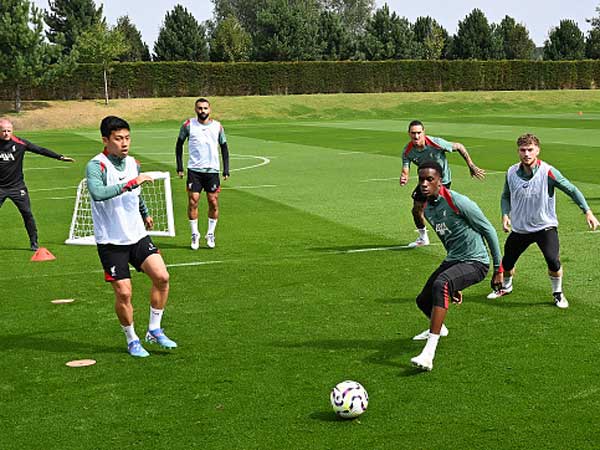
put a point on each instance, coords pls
(303, 291)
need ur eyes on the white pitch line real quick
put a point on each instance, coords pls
(260, 186)
(53, 189)
(372, 249)
(195, 263)
(264, 162)
(45, 168)
(60, 198)
(378, 179)
(351, 153)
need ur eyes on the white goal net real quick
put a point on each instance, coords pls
(157, 197)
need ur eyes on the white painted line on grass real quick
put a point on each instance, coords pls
(372, 249)
(194, 263)
(370, 180)
(45, 168)
(259, 186)
(351, 153)
(64, 188)
(264, 162)
(60, 198)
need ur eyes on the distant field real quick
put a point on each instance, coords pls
(310, 284)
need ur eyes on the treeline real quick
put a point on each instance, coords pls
(47, 46)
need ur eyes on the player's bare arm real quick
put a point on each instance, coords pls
(591, 220)
(404, 175)
(149, 222)
(143, 178)
(475, 171)
(505, 223)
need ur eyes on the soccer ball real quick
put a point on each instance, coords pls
(349, 399)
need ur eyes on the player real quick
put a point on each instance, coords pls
(462, 228)
(120, 222)
(12, 181)
(528, 206)
(423, 148)
(205, 135)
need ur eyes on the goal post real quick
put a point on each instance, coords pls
(157, 197)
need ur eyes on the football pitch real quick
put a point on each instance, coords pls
(310, 284)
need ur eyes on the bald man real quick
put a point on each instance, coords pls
(12, 181)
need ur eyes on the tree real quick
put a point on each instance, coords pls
(474, 37)
(102, 46)
(592, 41)
(138, 49)
(67, 19)
(565, 42)
(25, 54)
(288, 31)
(516, 43)
(389, 36)
(353, 14)
(245, 11)
(230, 42)
(336, 41)
(431, 37)
(181, 38)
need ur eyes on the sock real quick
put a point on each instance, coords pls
(443, 330)
(556, 283)
(155, 318)
(130, 333)
(422, 232)
(507, 282)
(212, 224)
(431, 346)
(194, 226)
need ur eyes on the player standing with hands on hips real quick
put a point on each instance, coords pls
(121, 219)
(464, 231)
(12, 180)
(205, 137)
(528, 205)
(423, 148)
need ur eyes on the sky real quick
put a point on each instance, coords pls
(539, 16)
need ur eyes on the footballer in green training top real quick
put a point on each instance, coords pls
(420, 149)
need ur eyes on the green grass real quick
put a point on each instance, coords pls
(287, 308)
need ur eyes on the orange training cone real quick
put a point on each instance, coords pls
(42, 254)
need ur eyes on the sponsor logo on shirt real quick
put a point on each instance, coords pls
(5, 156)
(441, 229)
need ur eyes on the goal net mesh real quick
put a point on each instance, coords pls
(157, 197)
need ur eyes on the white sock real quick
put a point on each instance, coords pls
(443, 330)
(155, 318)
(212, 224)
(422, 232)
(556, 283)
(130, 333)
(431, 346)
(194, 226)
(507, 284)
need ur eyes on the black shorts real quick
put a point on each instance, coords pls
(199, 181)
(115, 259)
(418, 196)
(19, 196)
(546, 240)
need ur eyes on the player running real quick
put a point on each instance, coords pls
(528, 206)
(120, 222)
(205, 136)
(423, 148)
(12, 180)
(462, 228)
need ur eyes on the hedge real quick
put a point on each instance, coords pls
(174, 79)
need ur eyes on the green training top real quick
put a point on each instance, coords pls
(434, 150)
(462, 228)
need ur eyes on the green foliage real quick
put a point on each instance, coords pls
(181, 38)
(592, 44)
(515, 40)
(246, 11)
(67, 19)
(138, 49)
(431, 37)
(565, 42)
(474, 37)
(287, 31)
(336, 41)
(25, 54)
(230, 42)
(354, 14)
(389, 36)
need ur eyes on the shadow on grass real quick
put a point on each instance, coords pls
(7, 107)
(43, 342)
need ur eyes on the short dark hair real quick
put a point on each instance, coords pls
(528, 139)
(112, 123)
(201, 100)
(414, 123)
(432, 165)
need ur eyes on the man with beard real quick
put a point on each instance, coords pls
(205, 137)
(12, 181)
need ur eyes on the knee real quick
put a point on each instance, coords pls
(161, 280)
(123, 294)
(554, 265)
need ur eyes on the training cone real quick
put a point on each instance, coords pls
(42, 254)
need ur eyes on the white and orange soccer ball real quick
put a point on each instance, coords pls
(349, 399)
